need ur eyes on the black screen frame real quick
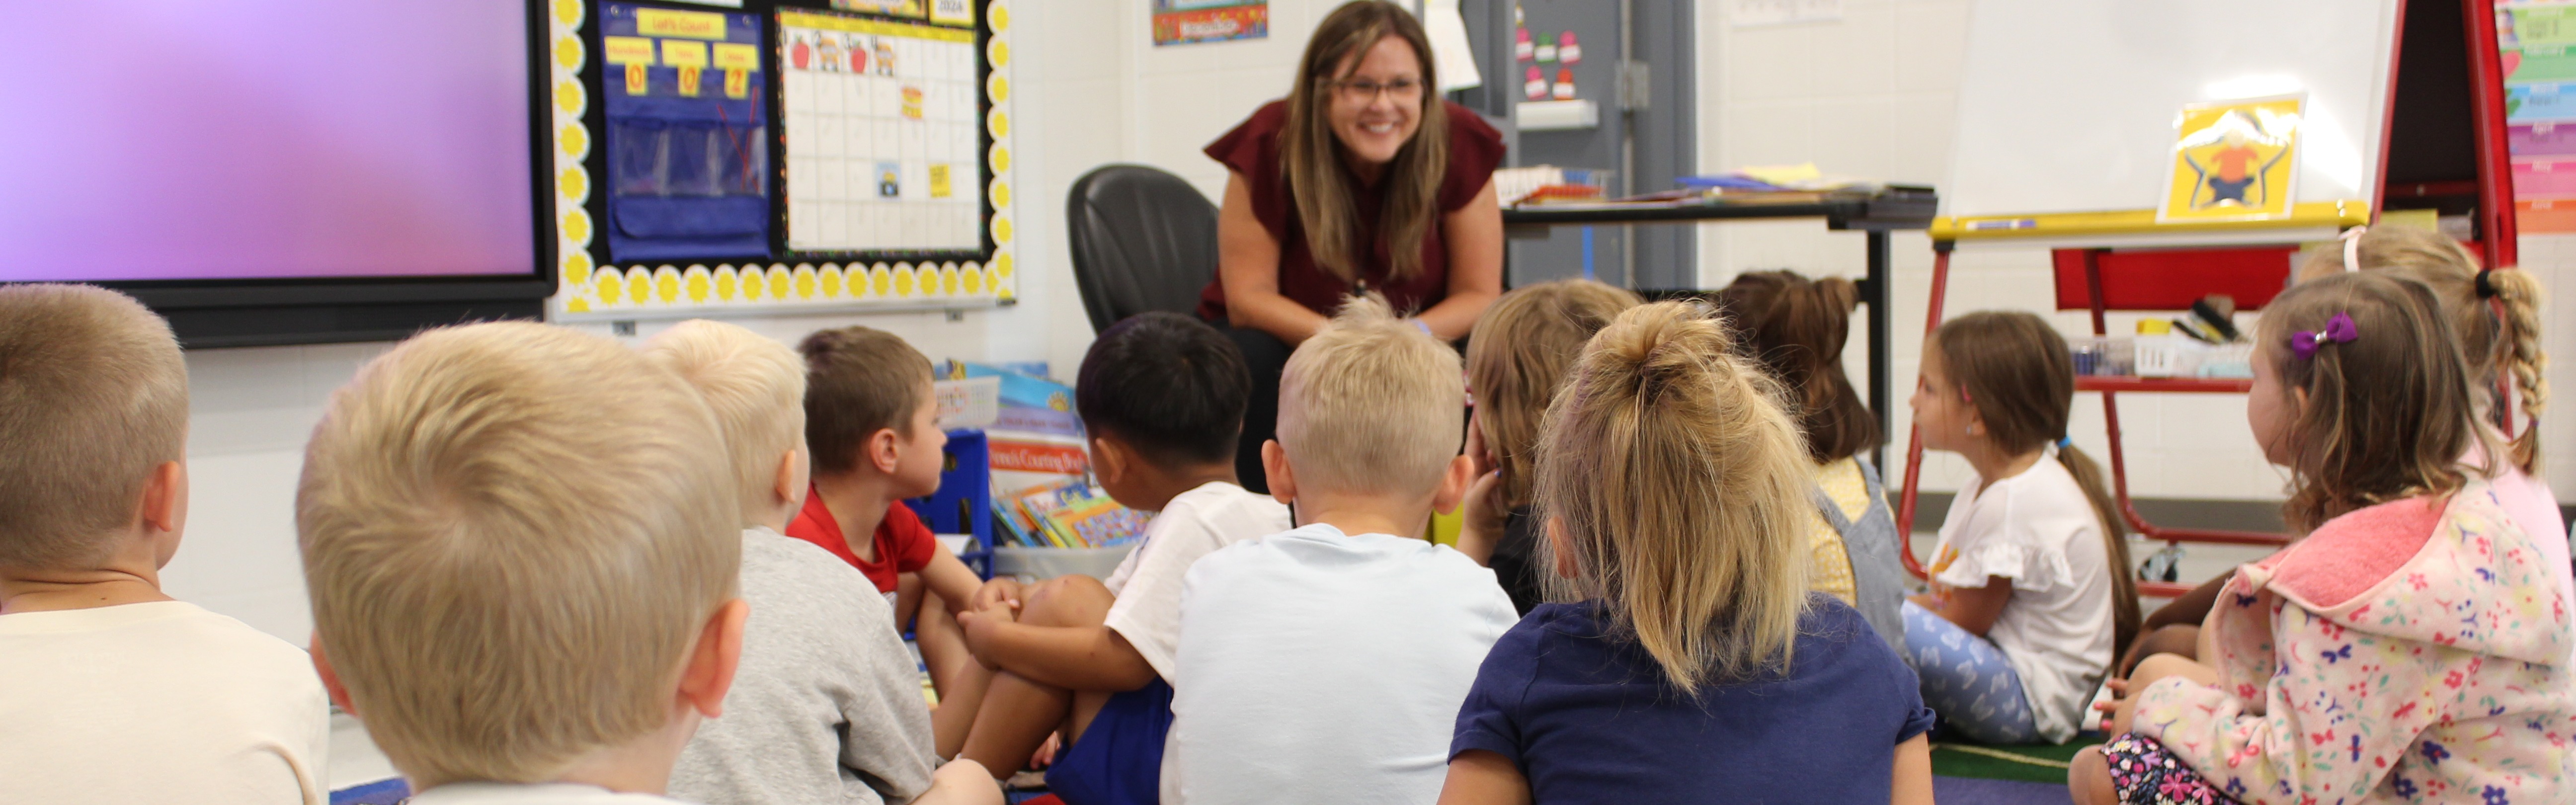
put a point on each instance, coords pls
(208, 313)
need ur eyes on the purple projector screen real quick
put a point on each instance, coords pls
(263, 139)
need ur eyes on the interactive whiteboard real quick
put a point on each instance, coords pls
(2070, 105)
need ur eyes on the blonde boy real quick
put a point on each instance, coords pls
(522, 546)
(110, 691)
(826, 707)
(1327, 663)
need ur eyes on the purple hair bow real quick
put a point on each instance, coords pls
(2338, 330)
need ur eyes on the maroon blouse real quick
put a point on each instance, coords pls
(1252, 149)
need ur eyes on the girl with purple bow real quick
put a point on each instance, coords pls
(2409, 647)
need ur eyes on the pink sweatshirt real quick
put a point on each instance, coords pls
(2407, 652)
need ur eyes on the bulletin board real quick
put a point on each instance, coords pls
(885, 169)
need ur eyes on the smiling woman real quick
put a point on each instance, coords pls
(1361, 180)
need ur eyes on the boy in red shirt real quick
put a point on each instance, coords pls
(868, 419)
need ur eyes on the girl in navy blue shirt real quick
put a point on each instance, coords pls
(1697, 667)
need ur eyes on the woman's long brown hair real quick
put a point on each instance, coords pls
(1311, 157)
(2016, 371)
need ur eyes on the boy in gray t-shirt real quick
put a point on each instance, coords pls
(827, 705)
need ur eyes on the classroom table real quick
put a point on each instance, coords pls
(1874, 214)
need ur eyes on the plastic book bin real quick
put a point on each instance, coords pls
(964, 502)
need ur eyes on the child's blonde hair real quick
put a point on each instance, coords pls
(93, 396)
(1371, 404)
(2388, 414)
(2017, 372)
(1796, 327)
(513, 535)
(756, 389)
(2498, 325)
(1517, 357)
(1682, 492)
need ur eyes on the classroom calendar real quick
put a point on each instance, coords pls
(883, 142)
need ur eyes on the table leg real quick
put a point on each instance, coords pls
(1878, 295)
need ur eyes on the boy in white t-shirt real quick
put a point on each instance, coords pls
(1162, 396)
(827, 705)
(522, 545)
(1327, 663)
(110, 691)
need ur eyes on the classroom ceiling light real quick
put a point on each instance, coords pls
(2252, 86)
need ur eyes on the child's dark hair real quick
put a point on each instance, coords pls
(2016, 371)
(1796, 327)
(2388, 414)
(1168, 385)
(858, 380)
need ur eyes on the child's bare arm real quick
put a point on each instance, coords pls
(1972, 608)
(1090, 657)
(1913, 785)
(1478, 777)
(961, 782)
(951, 580)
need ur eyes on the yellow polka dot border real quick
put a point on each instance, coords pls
(590, 288)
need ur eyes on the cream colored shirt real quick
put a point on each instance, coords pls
(157, 702)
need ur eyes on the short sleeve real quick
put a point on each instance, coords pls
(1241, 149)
(1475, 149)
(1488, 719)
(912, 544)
(2011, 537)
(1251, 150)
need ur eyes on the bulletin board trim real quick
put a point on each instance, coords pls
(592, 289)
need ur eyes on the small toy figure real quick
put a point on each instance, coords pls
(1536, 87)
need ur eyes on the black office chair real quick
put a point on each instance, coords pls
(1142, 239)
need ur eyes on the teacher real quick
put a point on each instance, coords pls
(1362, 180)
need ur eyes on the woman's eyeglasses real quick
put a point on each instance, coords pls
(1360, 90)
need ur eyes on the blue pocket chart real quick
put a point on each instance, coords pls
(688, 154)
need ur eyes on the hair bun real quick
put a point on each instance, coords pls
(1663, 342)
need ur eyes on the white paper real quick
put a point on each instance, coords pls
(1449, 53)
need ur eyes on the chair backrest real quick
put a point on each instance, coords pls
(1142, 240)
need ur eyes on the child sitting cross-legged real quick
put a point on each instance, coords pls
(2031, 591)
(2412, 647)
(1696, 664)
(869, 420)
(1162, 396)
(110, 690)
(826, 707)
(1326, 663)
(524, 600)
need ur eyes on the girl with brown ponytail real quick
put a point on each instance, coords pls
(1795, 327)
(2031, 591)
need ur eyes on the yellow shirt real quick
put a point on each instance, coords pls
(1829, 568)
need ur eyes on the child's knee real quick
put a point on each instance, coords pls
(2088, 778)
(1075, 600)
(2159, 666)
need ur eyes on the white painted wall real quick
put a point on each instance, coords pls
(1870, 95)
(1873, 95)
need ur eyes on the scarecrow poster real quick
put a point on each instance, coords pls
(2233, 161)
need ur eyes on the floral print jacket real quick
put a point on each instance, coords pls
(2406, 652)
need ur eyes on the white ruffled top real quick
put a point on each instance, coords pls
(2038, 530)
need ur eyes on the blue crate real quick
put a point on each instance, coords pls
(964, 502)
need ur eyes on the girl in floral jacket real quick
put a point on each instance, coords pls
(2411, 648)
